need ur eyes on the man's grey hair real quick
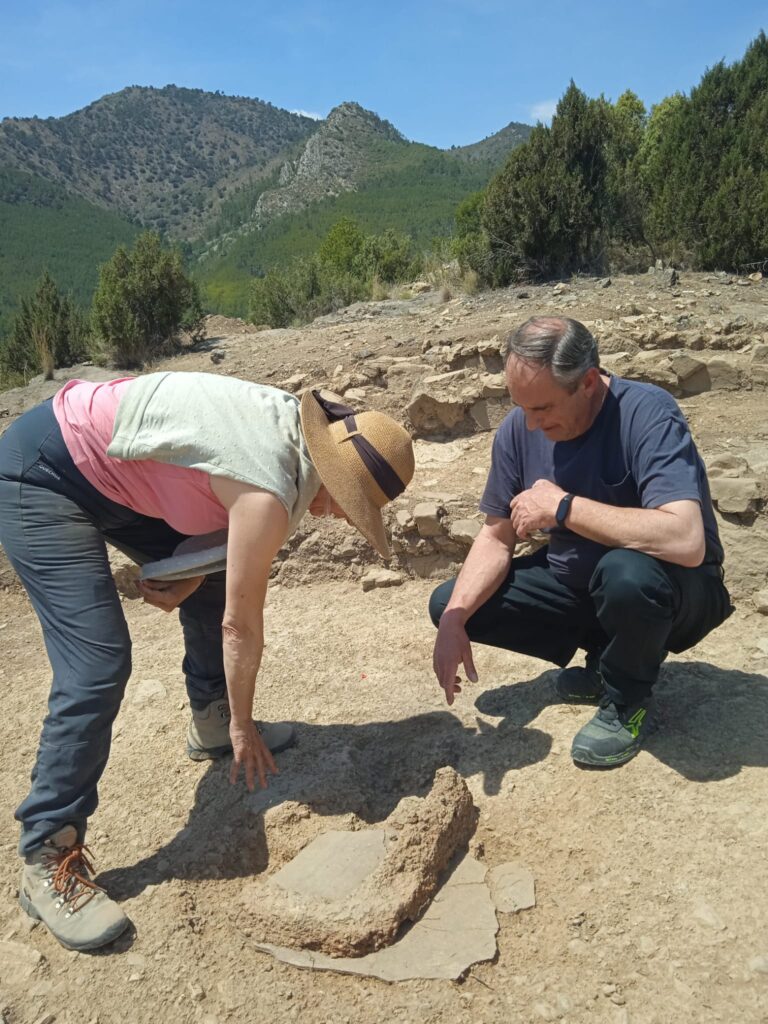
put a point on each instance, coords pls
(564, 346)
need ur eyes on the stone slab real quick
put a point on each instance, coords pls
(17, 963)
(333, 865)
(512, 888)
(359, 915)
(458, 930)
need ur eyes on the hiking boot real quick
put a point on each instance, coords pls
(208, 733)
(581, 685)
(613, 736)
(56, 888)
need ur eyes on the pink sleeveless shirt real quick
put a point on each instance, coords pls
(182, 497)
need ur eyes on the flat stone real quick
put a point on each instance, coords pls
(723, 373)
(493, 385)
(692, 373)
(147, 691)
(355, 395)
(445, 378)
(311, 905)
(727, 465)
(334, 865)
(462, 908)
(464, 530)
(512, 888)
(293, 383)
(760, 600)
(405, 520)
(17, 963)
(438, 413)
(377, 578)
(427, 517)
(735, 495)
(707, 915)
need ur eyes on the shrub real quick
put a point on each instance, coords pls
(48, 331)
(143, 301)
(347, 267)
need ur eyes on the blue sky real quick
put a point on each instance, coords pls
(443, 71)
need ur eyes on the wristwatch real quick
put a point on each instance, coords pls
(563, 509)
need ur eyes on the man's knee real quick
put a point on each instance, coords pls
(439, 599)
(624, 582)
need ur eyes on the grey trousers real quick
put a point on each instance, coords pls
(53, 527)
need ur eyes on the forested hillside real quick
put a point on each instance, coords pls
(243, 185)
(43, 226)
(162, 157)
(411, 189)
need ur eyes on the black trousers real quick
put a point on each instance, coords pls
(635, 609)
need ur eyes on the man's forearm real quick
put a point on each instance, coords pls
(242, 658)
(485, 569)
(652, 531)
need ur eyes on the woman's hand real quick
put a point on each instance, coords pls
(250, 751)
(168, 594)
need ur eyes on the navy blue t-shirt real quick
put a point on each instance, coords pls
(638, 453)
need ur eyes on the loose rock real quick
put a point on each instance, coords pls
(428, 517)
(377, 578)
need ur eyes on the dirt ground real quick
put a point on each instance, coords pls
(651, 880)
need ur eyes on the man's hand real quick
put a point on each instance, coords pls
(535, 509)
(168, 594)
(452, 648)
(250, 751)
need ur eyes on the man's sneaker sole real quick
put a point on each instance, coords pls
(109, 936)
(582, 755)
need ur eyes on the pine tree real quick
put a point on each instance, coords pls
(143, 301)
(48, 331)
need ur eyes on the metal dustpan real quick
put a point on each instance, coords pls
(195, 556)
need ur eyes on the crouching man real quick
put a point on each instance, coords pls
(633, 568)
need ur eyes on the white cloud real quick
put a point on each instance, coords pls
(308, 113)
(543, 110)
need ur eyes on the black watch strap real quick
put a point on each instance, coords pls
(563, 509)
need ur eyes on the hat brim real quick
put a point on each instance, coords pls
(345, 488)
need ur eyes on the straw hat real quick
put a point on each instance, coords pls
(364, 459)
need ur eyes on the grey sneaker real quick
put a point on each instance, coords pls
(579, 685)
(56, 888)
(208, 733)
(613, 735)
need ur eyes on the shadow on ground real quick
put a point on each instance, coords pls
(711, 721)
(334, 770)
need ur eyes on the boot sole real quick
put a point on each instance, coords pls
(28, 907)
(583, 755)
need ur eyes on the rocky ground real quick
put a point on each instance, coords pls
(651, 880)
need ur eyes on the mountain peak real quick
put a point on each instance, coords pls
(351, 116)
